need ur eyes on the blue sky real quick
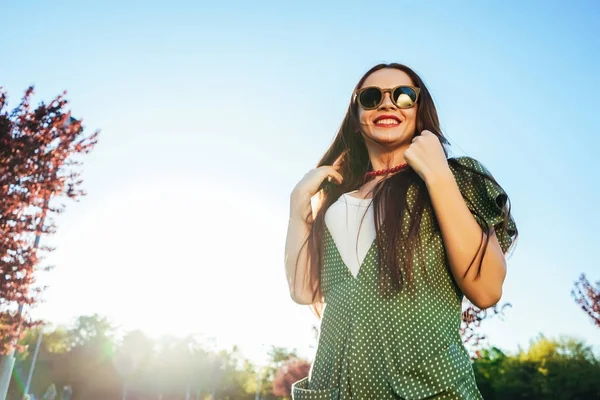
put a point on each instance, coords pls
(210, 114)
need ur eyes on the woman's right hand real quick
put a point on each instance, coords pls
(309, 185)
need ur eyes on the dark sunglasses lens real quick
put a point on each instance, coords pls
(370, 98)
(405, 97)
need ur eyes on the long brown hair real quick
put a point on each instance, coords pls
(396, 246)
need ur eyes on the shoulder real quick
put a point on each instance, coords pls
(468, 171)
(473, 178)
(467, 163)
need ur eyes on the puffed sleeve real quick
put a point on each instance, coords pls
(486, 199)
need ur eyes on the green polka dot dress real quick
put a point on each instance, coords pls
(407, 346)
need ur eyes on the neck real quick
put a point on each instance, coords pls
(385, 158)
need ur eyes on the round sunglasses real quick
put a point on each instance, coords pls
(371, 97)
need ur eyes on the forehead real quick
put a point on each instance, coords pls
(388, 78)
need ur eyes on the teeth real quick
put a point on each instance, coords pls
(387, 121)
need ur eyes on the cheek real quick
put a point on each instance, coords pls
(411, 114)
(364, 116)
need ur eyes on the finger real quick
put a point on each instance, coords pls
(338, 162)
(333, 174)
(337, 177)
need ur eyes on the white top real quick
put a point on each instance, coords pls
(350, 219)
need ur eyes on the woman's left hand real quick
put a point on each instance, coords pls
(426, 156)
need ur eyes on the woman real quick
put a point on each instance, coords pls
(386, 236)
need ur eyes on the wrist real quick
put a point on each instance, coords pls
(300, 208)
(439, 177)
(296, 215)
(298, 221)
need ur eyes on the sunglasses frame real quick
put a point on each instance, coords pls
(383, 92)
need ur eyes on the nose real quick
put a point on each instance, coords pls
(387, 103)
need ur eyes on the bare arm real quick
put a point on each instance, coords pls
(463, 237)
(297, 260)
(461, 233)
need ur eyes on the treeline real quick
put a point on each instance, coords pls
(93, 363)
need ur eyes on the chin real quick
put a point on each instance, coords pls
(391, 138)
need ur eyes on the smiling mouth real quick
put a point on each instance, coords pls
(386, 121)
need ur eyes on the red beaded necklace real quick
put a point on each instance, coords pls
(381, 172)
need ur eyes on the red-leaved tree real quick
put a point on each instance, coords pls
(39, 155)
(292, 371)
(472, 317)
(588, 298)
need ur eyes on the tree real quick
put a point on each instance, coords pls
(54, 343)
(278, 357)
(588, 298)
(471, 321)
(292, 371)
(69, 356)
(487, 367)
(550, 369)
(39, 150)
(89, 328)
(135, 351)
(88, 367)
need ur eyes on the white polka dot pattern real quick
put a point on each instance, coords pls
(404, 347)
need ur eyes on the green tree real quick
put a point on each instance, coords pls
(89, 328)
(69, 356)
(549, 369)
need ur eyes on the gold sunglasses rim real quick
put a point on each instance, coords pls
(383, 92)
